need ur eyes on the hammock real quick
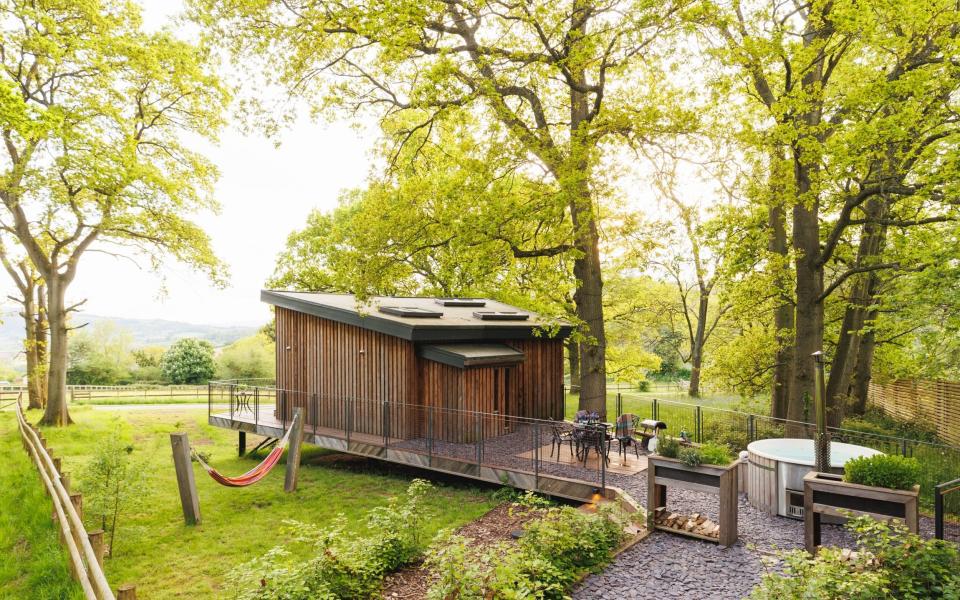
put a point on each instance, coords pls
(253, 475)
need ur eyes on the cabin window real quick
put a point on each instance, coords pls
(501, 315)
(411, 311)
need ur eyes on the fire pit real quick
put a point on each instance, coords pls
(777, 467)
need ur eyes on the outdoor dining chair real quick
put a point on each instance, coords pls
(593, 437)
(624, 432)
(561, 433)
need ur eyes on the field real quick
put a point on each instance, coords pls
(164, 558)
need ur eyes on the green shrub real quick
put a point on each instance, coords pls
(715, 454)
(883, 470)
(874, 421)
(553, 551)
(891, 563)
(345, 565)
(691, 457)
(668, 447)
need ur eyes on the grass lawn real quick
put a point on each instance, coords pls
(33, 564)
(166, 559)
(640, 403)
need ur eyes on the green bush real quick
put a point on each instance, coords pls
(891, 563)
(883, 470)
(691, 457)
(348, 566)
(876, 422)
(668, 447)
(715, 454)
(553, 551)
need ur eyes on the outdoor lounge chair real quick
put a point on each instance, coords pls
(624, 431)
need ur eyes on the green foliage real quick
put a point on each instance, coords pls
(113, 485)
(344, 565)
(188, 360)
(99, 355)
(891, 563)
(525, 498)
(668, 446)
(553, 551)
(875, 421)
(249, 358)
(690, 457)
(712, 453)
(884, 470)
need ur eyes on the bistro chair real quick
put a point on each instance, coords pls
(624, 431)
(593, 437)
(561, 432)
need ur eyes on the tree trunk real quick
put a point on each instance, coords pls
(862, 298)
(808, 336)
(43, 330)
(56, 411)
(783, 314)
(573, 364)
(696, 344)
(864, 368)
(31, 344)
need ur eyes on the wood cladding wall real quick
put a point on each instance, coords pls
(339, 373)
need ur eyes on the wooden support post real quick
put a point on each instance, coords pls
(77, 501)
(65, 481)
(185, 481)
(241, 442)
(57, 463)
(96, 542)
(293, 452)
(127, 591)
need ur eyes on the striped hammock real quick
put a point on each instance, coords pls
(253, 475)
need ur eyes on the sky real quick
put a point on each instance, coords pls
(265, 193)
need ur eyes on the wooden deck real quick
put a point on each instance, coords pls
(499, 463)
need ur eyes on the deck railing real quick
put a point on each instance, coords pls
(947, 501)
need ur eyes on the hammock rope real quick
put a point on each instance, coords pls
(253, 475)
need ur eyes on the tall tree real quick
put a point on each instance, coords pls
(568, 81)
(859, 95)
(32, 300)
(92, 116)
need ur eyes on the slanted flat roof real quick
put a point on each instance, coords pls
(471, 355)
(455, 324)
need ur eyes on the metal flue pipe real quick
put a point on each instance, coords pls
(821, 437)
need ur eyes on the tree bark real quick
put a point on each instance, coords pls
(573, 364)
(31, 344)
(696, 345)
(56, 411)
(863, 372)
(782, 316)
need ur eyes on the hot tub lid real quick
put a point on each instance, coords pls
(800, 452)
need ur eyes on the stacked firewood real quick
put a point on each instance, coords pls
(695, 523)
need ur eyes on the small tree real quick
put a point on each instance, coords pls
(188, 360)
(249, 358)
(113, 482)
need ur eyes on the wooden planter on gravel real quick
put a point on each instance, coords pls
(664, 473)
(829, 494)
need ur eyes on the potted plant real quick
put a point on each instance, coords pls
(708, 468)
(881, 486)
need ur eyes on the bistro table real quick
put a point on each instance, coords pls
(592, 434)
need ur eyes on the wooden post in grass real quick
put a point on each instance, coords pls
(242, 443)
(96, 542)
(185, 481)
(127, 591)
(293, 452)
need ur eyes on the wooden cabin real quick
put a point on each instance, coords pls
(342, 360)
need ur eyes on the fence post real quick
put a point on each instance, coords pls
(619, 404)
(536, 455)
(751, 428)
(316, 413)
(903, 447)
(385, 421)
(293, 451)
(96, 542)
(185, 481)
(478, 425)
(349, 412)
(232, 392)
(698, 425)
(127, 592)
(430, 436)
(655, 411)
(938, 511)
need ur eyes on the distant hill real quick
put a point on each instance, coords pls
(145, 332)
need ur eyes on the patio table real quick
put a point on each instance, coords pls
(586, 435)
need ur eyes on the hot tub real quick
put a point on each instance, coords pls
(777, 467)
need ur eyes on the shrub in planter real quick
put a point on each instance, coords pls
(891, 563)
(883, 470)
(715, 454)
(691, 457)
(668, 447)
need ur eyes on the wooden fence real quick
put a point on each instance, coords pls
(932, 402)
(84, 549)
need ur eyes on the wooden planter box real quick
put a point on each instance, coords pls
(664, 473)
(829, 494)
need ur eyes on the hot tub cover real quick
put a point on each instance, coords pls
(800, 452)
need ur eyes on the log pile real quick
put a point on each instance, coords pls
(696, 523)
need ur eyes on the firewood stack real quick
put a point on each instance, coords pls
(695, 523)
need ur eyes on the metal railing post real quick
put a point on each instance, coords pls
(430, 435)
(619, 404)
(209, 400)
(655, 410)
(385, 417)
(903, 447)
(232, 392)
(603, 468)
(349, 423)
(536, 455)
(478, 426)
(938, 511)
(316, 412)
(698, 425)
(751, 428)
(256, 406)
